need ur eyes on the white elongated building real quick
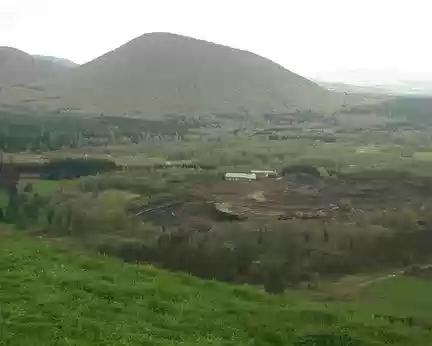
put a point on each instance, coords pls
(240, 176)
(264, 173)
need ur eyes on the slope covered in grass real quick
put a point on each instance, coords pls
(53, 296)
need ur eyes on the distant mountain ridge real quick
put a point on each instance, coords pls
(381, 81)
(20, 68)
(59, 61)
(403, 88)
(162, 73)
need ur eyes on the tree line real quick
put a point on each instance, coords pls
(47, 132)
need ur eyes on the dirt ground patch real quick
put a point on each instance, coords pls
(258, 196)
(347, 198)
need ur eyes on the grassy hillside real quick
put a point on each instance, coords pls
(52, 296)
(159, 73)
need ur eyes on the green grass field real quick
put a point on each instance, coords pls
(45, 187)
(41, 187)
(53, 295)
(423, 155)
(3, 198)
(402, 296)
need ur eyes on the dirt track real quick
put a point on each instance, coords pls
(391, 276)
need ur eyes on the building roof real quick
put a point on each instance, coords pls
(251, 176)
(262, 171)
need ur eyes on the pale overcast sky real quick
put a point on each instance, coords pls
(309, 37)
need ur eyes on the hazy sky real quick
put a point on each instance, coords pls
(306, 36)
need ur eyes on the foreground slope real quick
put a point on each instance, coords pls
(20, 68)
(161, 73)
(51, 296)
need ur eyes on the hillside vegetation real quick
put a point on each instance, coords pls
(159, 73)
(53, 296)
